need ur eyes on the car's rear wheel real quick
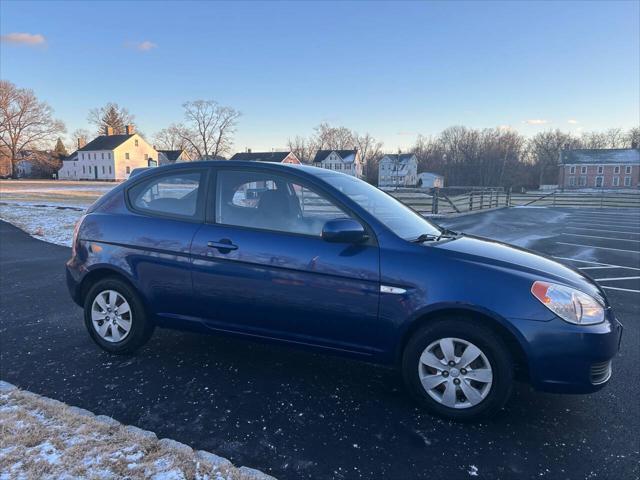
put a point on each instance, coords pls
(115, 316)
(458, 369)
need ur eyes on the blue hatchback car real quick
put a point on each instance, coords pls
(322, 260)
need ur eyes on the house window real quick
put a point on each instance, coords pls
(616, 169)
(102, 154)
(89, 168)
(128, 169)
(136, 142)
(95, 156)
(599, 181)
(103, 170)
(627, 169)
(582, 181)
(583, 169)
(600, 168)
(109, 168)
(572, 181)
(109, 155)
(83, 168)
(572, 170)
(616, 180)
(126, 156)
(627, 181)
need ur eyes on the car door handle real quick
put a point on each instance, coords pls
(224, 245)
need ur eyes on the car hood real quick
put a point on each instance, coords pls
(500, 255)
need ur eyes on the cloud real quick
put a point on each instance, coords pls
(141, 46)
(28, 39)
(536, 121)
(572, 121)
(505, 128)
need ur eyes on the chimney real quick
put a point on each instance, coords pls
(129, 129)
(81, 142)
(248, 150)
(108, 131)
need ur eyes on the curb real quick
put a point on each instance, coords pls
(245, 473)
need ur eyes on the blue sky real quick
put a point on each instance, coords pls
(392, 69)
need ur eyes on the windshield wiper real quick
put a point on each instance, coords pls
(426, 237)
(430, 237)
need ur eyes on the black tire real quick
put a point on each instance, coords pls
(141, 325)
(479, 335)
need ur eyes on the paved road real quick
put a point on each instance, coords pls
(301, 415)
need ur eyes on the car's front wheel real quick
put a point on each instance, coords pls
(458, 369)
(115, 316)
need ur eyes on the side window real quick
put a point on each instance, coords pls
(271, 202)
(173, 194)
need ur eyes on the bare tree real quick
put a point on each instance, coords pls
(25, 122)
(79, 135)
(370, 154)
(174, 137)
(327, 137)
(545, 150)
(302, 148)
(111, 115)
(209, 127)
(633, 138)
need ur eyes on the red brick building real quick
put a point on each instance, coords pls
(608, 169)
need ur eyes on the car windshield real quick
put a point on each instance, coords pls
(399, 218)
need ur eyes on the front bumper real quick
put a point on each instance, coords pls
(567, 358)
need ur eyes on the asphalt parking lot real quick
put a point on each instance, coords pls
(300, 415)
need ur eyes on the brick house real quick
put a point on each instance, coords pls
(609, 169)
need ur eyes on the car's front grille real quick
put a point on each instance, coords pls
(600, 372)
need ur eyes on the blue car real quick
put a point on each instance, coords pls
(324, 261)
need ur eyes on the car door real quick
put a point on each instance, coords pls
(154, 240)
(260, 266)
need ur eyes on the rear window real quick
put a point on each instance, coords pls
(173, 194)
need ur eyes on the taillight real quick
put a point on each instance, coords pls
(75, 239)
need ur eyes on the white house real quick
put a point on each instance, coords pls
(166, 157)
(398, 170)
(109, 157)
(275, 157)
(344, 161)
(430, 180)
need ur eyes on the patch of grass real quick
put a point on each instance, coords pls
(41, 438)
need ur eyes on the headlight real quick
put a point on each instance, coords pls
(568, 303)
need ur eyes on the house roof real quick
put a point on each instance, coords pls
(72, 156)
(172, 155)
(343, 154)
(105, 142)
(401, 157)
(277, 157)
(600, 156)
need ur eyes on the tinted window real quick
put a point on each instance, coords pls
(171, 194)
(271, 202)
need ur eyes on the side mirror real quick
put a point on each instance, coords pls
(343, 230)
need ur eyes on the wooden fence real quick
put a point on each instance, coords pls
(459, 200)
